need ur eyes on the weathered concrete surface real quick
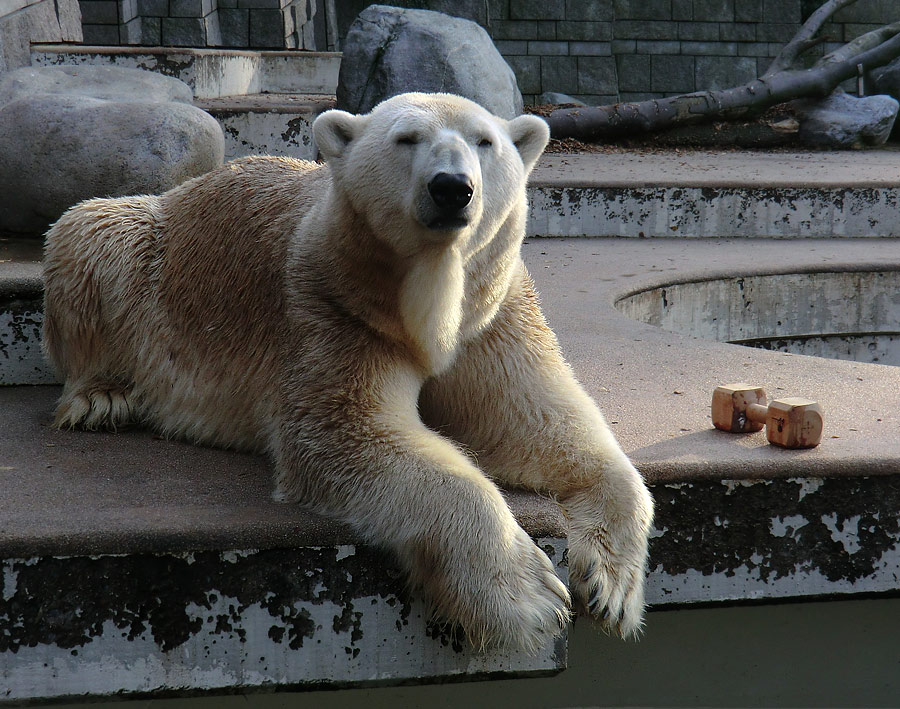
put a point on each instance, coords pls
(21, 319)
(71, 493)
(656, 385)
(736, 518)
(268, 124)
(766, 539)
(211, 73)
(338, 615)
(709, 194)
(851, 315)
(300, 617)
(208, 72)
(720, 170)
(21, 288)
(295, 73)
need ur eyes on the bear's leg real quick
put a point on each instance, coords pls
(94, 257)
(512, 399)
(370, 462)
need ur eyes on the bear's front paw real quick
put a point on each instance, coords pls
(608, 536)
(511, 598)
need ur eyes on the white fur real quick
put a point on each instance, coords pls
(431, 305)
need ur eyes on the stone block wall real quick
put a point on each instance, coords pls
(25, 21)
(250, 24)
(111, 21)
(602, 51)
(599, 51)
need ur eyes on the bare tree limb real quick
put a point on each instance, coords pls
(605, 122)
(863, 43)
(789, 56)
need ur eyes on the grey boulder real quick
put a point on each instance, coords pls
(110, 83)
(555, 98)
(884, 80)
(389, 51)
(73, 133)
(844, 121)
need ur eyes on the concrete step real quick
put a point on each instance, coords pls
(714, 193)
(268, 124)
(133, 565)
(163, 578)
(341, 605)
(211, 73)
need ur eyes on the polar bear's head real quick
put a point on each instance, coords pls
(430, 168)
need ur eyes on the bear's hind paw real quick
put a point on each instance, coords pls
(95, 406)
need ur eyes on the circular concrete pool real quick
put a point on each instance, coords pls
(842, 315)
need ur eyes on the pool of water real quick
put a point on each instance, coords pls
(851, 315)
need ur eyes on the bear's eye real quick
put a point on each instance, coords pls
(485, 143)
(407, 139)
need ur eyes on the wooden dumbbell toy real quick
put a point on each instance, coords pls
(789, 423)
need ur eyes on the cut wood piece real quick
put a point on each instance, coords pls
(790, 423)
(794, 423)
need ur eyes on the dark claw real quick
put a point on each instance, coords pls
(562, 621)
(605, 615)
(589, 572)
(594, 599)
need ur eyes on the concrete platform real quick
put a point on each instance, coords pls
(701, 193)
(826, 169)
(268, 124)
(141, 566)
(211, 72)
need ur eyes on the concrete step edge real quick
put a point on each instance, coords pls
(211, 73)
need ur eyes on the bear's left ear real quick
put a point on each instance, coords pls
(530, 135)
(334, 130)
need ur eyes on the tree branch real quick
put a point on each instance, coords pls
(604, 122)
(863, 43)
(789, 56)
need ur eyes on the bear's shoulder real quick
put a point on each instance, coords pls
(271, 163)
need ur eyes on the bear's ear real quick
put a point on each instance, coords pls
(334, 130)
(530, 135)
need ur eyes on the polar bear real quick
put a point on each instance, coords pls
(370, 325)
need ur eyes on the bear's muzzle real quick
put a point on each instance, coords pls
(451, 193)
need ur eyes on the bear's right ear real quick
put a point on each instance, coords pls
(334, 130)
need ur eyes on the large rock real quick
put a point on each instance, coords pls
(884, 80)
(475, 10)
(844, 121)
(389, 51)
(109, 83)
(72, 133)
(556, 98)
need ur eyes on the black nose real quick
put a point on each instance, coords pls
(450, 192)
